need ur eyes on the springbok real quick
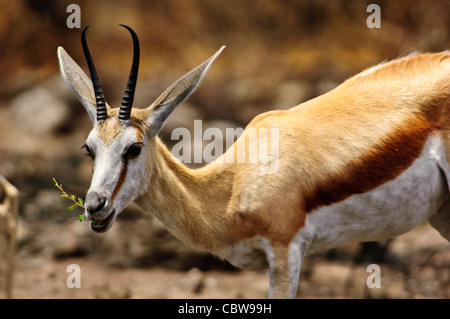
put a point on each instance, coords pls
(364, 162)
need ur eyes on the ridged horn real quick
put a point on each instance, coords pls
(100, 101)
(128, 96)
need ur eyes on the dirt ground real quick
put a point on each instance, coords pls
(417, 265)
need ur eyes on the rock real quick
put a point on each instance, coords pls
(39, 111)
(328, 272)
(193, 281)
(112, 292)
(50, 205)
(55, 240)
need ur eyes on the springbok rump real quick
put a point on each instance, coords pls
(364, 162)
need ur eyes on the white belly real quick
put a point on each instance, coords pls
(388, 210)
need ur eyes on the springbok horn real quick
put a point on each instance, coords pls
(102, 113)
(128, 96)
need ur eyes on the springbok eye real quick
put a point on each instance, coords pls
(89, 151)
(133, 151)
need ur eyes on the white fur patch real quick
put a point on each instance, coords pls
(386, 211)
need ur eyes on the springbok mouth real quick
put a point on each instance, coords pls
(102, 225)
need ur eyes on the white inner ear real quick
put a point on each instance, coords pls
(78, 82)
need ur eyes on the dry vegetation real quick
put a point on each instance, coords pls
(279, 53)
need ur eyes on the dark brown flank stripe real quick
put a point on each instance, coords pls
(384, 163)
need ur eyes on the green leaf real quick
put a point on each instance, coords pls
(76, 201)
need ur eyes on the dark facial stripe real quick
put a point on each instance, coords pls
(122, 176)
(384, 163)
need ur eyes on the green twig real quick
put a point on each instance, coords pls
(76, 201)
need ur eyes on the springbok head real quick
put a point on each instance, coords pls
(120, 134)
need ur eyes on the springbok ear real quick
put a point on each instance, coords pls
(78, 82)
(164, 105)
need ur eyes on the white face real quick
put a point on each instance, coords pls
(118, 173)
(116, 146)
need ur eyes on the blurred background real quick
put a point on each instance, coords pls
(279, 54)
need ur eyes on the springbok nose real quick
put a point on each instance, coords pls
(95, 202)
